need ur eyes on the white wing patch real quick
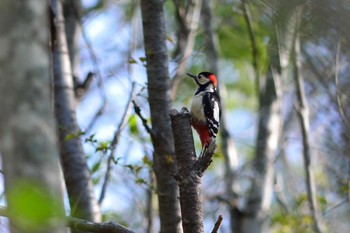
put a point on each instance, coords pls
(216, 110)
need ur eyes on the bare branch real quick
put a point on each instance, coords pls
(338, 93)
(217, 224)
(204, 161)
(255, 53)
(114, 143)
(303, 114)
(137, 110)
(84, 225)
(188, 18)
(81, 88)
(98, 113)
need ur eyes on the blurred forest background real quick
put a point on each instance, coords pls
(282, 163)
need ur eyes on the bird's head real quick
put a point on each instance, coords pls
(204, 79)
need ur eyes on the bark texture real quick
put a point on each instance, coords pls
(188, 180)
(27, 131)
(190, 171)
(76, 173)
(159, 101)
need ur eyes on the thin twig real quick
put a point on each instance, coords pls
(255, 52)
(217, 224)
(99, 113)
(114, 143)
(204, 161)
(188, 23)
(339, 102)
(97, 71)
(137, 110)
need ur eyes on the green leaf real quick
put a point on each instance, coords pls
(95, 167)
(137, 169)
(132, 61)
(96, 179)
(143, 59)
(103, 146)
(91, 139)
(71, 136)
(140, 181)
(131, 167)
(32, 208)
(147, 161)
(133, 125)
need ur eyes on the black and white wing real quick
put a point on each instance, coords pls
(212, 112)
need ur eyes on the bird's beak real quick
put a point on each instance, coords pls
(191, 75)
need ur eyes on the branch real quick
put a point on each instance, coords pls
(137, 110)
(84, 225)
(95, 63)
(108, 227)
(188, 23)
(190, 170)
(303, 115)
(114, 143)
(204, 161)
(79, 186)
(217, 224)
(338, 96)
(80, 88)
(255, 53)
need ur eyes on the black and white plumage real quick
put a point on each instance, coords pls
(205, 108)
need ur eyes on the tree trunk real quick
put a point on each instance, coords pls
(269, 128)
(253, 217)
(77, 176)
(187, 176)
(72, 11)
(159, 101)
(27, 132)
(227, 144)
(303, 115)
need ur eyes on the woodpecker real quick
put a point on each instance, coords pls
(205, 108)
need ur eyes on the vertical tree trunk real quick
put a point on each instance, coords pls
(269, 128)
(27, 132)
(253, 217)
(227, 144)
(303, 115)
(72, 10)
(159, 101)
(77, 176)
(187, 176)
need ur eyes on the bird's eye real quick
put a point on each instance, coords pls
(200, 76)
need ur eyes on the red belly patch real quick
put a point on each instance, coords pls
(203, 132)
